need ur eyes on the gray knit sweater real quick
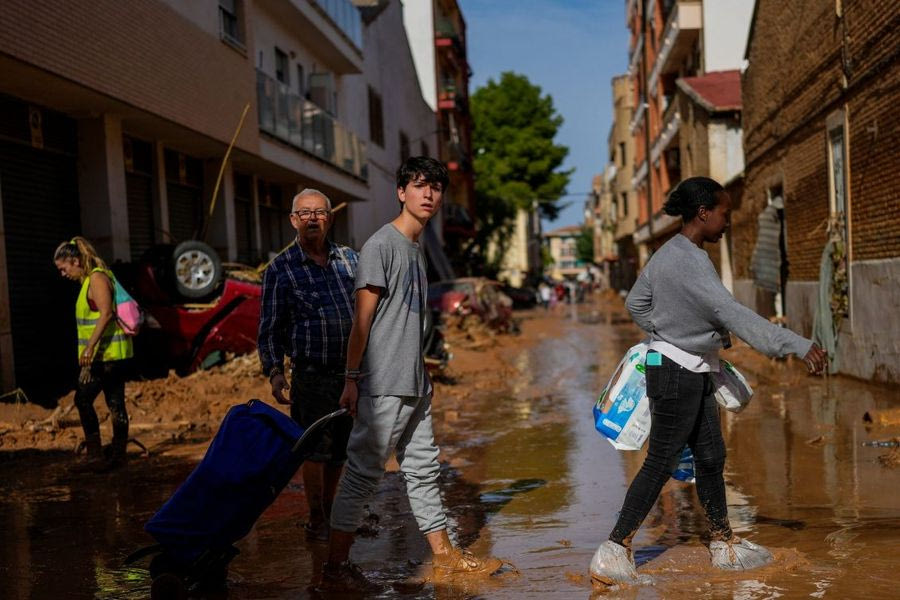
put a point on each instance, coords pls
(679, 298)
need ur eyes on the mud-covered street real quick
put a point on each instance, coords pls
(526, 478)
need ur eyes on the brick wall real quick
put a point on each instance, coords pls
(141, 52)
(805, 63)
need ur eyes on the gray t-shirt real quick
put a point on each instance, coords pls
(393, 364)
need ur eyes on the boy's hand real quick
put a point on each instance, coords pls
(816, 360)
(349, 397)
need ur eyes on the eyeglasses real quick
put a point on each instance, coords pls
(306, 214)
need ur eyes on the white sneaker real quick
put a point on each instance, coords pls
(612, 563)
(738, 555)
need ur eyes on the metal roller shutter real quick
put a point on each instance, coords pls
(184, 211)
(243, 217)
(140, 213)
(40, 209)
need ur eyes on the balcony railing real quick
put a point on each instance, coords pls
(671, 125)
(308, 127)
(635, 56)
(684, 17)
(346, 16)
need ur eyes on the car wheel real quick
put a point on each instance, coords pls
(196, 268)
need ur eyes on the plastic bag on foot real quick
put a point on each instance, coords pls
(739, 555)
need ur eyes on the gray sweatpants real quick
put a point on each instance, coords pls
(383, 424)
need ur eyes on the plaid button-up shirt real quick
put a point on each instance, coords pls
(307, 310)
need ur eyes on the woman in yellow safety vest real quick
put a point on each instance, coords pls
(103, 349)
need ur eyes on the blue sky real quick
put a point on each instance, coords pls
(571, 49)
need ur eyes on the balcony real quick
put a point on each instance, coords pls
(308, 127)
(638, 117)
(669, 133)
(346, 16)
(639, 175)
(681, 32)
(331, 29)
(449, 98)
(635, 58)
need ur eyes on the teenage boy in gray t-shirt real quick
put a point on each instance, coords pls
(387, 389)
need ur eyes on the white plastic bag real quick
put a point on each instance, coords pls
(732, 390)
(622, 412)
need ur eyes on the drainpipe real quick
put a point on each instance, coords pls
(647, 144)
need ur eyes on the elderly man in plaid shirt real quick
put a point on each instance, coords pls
(306, 314)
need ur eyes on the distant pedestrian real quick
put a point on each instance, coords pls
(103, 349)
(680, 301)
(388, 389)
(545, 292)
(306, 314)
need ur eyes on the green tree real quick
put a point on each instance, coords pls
(584, 245)
(516, 162)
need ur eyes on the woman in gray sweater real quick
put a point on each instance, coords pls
(680, 301)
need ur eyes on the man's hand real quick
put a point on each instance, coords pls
(349, 397)
(816, 360)
(279, 383)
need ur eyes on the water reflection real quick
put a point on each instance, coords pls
(527, 479)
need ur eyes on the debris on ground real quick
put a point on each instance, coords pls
(886, 417)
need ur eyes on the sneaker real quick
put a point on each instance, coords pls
(345, 578)
(738, 554)
(463, 562)
(613, 564)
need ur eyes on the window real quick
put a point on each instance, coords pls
(622, 157)
(301, 81)
(230, 29)
(281, 67)
(376, 119)
(404, 146)
(624, 204)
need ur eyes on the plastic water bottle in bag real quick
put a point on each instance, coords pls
(684, 471)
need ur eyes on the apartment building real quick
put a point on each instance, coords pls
(816, 238)
(623, 199)
(562, 244)
(672, 40)
(116, 117)
(437, 37)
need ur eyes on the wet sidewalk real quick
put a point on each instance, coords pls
(526, 478)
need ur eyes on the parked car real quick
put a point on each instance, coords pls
(473, 295)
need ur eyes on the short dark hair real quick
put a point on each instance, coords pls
(686, 199)
(429, 169)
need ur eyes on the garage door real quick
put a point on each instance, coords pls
(39, 191)
(184, 187)
(139, 194)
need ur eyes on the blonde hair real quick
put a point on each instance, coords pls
(84, 251)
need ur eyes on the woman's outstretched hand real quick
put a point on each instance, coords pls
(816, 360)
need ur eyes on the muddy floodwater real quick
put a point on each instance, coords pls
(525, 478)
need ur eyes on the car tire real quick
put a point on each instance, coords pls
(196, 269)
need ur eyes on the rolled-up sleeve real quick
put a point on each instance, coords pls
(270, 338)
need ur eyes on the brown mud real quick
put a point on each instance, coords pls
(525, 478)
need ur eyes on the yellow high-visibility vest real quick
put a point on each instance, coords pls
(113, 344)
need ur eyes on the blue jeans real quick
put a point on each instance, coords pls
(683, 411)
